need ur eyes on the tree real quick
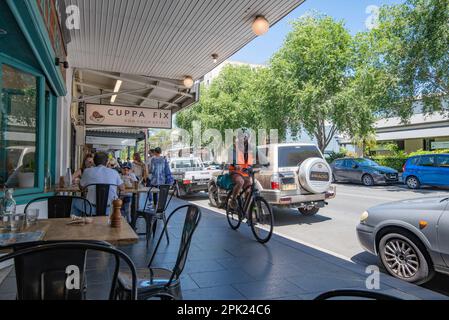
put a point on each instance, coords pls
(226, 104)
(311, 82)
(411, 44)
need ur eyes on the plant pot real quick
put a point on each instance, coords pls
(26, 180)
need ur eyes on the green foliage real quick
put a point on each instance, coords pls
(310, 75)
(422, 152)
(410, 47)
(227, 104)
(396, 163)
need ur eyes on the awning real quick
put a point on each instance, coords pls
(413, 134)
(152, 45)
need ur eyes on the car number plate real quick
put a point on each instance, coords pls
(289, 187)
(319, 176)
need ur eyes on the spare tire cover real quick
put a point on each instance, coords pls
(315, 175)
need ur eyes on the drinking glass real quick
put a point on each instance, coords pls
(31, 216)
(17, 222)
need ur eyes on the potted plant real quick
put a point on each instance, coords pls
(27, 173)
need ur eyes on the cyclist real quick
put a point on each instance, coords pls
(242, 162)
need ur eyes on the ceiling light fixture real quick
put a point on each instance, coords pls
(215, 57)
(118, 85)
(188, 82)
(260, 25)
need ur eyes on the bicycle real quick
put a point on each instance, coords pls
(256, 209)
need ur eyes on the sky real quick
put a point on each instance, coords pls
(355, 13)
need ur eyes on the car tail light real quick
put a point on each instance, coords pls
(275, 182)
(404, 167)
(187, 182)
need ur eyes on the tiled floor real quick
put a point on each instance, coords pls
(229, 265)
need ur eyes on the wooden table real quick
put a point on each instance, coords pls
(59, 230)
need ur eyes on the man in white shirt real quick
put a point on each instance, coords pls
(100, 174)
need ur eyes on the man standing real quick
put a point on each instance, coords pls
(100, 174)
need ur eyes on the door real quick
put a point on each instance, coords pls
(428, 170)
(442, 177)
(338, 170)
(353, 171)
(443, 235)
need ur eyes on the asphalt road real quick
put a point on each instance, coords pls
(333, 229)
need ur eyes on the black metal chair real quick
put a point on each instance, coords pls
(151, 216)
(362, 294)
(101, 197)
(42, 269)
(159, 282)
(61, 206)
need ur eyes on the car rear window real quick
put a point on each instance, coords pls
(294, 156)
(443, 161)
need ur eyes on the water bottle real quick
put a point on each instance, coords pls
(7, 209)
(68, 178)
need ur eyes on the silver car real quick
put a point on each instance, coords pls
(410, 237)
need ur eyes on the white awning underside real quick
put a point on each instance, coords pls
(160, 42)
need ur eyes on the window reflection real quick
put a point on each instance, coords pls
(18, 128)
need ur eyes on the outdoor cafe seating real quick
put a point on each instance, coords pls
(63, 240)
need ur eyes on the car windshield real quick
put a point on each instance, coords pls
(366, 162)
(295, 155)
(185, 164)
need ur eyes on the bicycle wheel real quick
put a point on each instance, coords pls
(233, 215)
(262, 220)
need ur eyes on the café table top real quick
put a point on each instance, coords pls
(99, 230)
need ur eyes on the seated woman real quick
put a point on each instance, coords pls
(88, 162)
(129, 179)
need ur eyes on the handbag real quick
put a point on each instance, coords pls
(225, 182)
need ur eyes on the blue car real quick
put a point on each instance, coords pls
(429, 170)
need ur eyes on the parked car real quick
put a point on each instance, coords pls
(364, 171)
(297, 176)
(410, 237)
(191, 175)
(431, 170)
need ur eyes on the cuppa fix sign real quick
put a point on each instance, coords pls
(122, 116)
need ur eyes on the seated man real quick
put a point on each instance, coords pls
(100, 174)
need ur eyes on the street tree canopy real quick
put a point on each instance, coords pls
(411, 44)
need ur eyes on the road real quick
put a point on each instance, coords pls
(333, 229)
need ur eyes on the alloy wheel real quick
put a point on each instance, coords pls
(401, 258)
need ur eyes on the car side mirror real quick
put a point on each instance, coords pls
(356, 166)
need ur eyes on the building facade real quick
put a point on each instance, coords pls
(34, 103)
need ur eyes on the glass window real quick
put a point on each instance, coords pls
(294, 156)
(443, 161)
(366, 162)
(18, 129)
(349, 164)
(428, 161)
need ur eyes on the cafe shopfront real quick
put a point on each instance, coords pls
(33, 93)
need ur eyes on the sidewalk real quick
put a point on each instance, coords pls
(229, 265)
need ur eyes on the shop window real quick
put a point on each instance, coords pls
(19, 104)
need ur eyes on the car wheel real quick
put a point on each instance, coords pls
(368, 180)
(308, 212)
(403, 257)
(213, 195)
(413, 182)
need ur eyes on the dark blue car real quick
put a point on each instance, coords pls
(430, 170)
(363, 171)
